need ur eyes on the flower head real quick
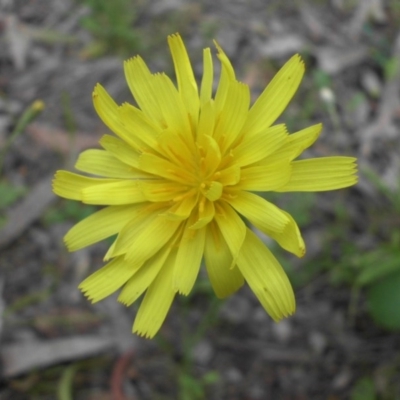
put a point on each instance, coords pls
(181, 172)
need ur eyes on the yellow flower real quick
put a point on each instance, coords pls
(183, 169)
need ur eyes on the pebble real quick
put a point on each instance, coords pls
(342, 379)
(317, 342)
(233, 375)
(203, 352)
(236, 309)
(282, 331)
(371, 83)
(256, 392)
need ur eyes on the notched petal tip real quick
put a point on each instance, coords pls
(54, 180)
(299, 59)
(123, 301)
(86, 293)
(130, 61)
(174, 36)
(216, 44)
(143, 333)
(281, 317)
(67, 243)
(220, 52)
(94, 93)
(98, 90)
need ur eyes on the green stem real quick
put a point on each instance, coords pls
(189, 340)
(28, 116)
(65, 385)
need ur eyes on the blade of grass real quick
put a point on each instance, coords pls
(28, 116)
(64, 390)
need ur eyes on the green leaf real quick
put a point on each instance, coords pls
(211, 377)
(384, 301)
(322, 79)
(391, 67)
(67, 209)
(388, 264)
(190, 388)
(9, 194)
(65, 384)
(364, 389)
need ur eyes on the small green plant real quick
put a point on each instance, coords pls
(191, 387)
(27, 117)
(67, 210)
(64, 390)
(111, 23)
(376, 272)
(10, 193)
(364, 389)
(383, 300)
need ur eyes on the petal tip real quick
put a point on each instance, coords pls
(174, 36)
(143, 333)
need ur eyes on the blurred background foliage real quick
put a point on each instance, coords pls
(112, 26)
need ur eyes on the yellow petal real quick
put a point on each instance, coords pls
(184, 73)
(266, 278)
(114, 193)
(233, 115)
(143, 278)
(108, 111)
(304, 139)
(205, 214)
(182, 208)
(107, 280)
(206, 121)
(121, 150)
(276, 96)
(230, 176)
(226, 64)
(231, 226)
(212, 155)
(259, 211)
(261, 178)
(188, 260)
(207, 79)
(162, 189)
(102, 163)
(140, 82)
(173, 147)
(172, 107)
(157, 301)
(109, 254)
(143, 129)
(70, 186)
(290, 238)
(218, 258)
(131, 230)
(227, 76)
(100, 225)
(260, 146)
(161, 167)
(295, 144)
(285, 154)
(214, 191)
(151, 239)
(320, 174)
